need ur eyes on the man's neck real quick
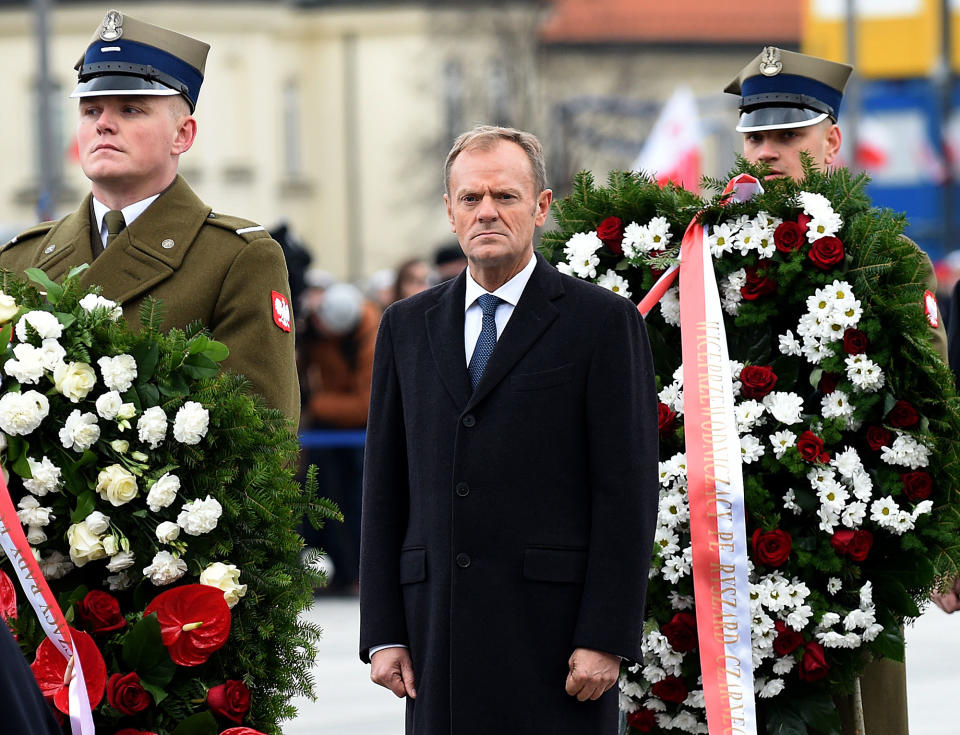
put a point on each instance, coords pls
(493, 276)
(118, 195)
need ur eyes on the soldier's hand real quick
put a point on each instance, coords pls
(392, 668)
(591, 673)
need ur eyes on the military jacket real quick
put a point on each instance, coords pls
(222, 271)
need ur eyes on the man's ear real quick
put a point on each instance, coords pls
(832, 141)
(453, 225)
(186, 134)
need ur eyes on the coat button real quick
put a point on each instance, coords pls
(463, 489)
(463, 561)
(469, 420)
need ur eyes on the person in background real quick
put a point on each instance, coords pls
(381, 286)
(336, 360)
(23, 706)
(413, 276)
(448, 262)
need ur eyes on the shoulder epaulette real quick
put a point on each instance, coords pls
(244, 228)
(36, 231)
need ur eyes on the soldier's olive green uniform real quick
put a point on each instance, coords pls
(222, 271)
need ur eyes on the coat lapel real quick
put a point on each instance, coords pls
(533, 314)
(152, 248)
(67, 245)
(444, 323)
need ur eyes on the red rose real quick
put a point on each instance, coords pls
(230, 700)
(666, 419)
(100, 612)
(611, 232)
(771, 548)
(855, 342)
(787, 641)
(756, 381)
(8, 598)
(194, 622)
(789, 236)
(126, 695)
(855, 544)
(813, 665)
(241, 731)
(917, 485)
(810, 447)
(643, 720)
(681, 631)
(828, 383)
(758, 282)
(826, 252)
(670, 689)
(878, 437)
(903, 415)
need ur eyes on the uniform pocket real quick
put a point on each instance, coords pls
(555, 565)
(543, 378)
(413, 565)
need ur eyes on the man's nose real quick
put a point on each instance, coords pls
(487, 209)
(106, 122)
(768, 151)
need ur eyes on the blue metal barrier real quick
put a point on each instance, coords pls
(330, 438)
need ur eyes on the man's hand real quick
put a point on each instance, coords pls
(392, 668)
(591, 673)
(949, 601)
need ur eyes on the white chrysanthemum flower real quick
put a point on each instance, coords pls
(21, 413)
(748, 414)
(636, 240)
(152, 427)
(673, 510)
(613, 281)
(905, 451)
(832, 494)
(824, 225)
(784, 665)
(784, 407)
(680, 602)
(165, 568)
(44, 323)
(847, 316)
(819, 475)
(781, 441)
(660, 235)
(771, 689)
(565, 268)
(750, 448)
(847, 462)
(790, 501)
(853, 514)
(829, 518)
(834, 585)
(581, 251)
(666, 541)
(675, 568)
(46, 477)
(884, 512)
(836, 405)
(813, 204)
(200, 516)
(815, 351)
(672, 396)
(864, 373)
(670, 306)
(789, 345)
(721, 239)
(799, 617)
(118, 372)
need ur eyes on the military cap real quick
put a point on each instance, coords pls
(784, 89)
(129, 56)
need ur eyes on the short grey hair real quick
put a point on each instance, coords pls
(485, 137)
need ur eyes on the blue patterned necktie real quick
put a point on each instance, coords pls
(487, 339)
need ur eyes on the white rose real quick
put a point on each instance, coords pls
(45, 324)
(51, 353)
(79, 432)
(166, 568)
(21, 413)
(227, 578)
(120, 446)
(46, 477)
(127, 411)
(191, 422)
(84, 544)
(97, 522)
(152, 426)
(167, 532)
(109, 404)
(110, 545)
(27, 365)
(55, 565)
(8, 307)
(35, 535)
(200, 516)
(120, 561)
(117, 485)
(118, 372)
(92, 301)
(74, 380)
(163, 492)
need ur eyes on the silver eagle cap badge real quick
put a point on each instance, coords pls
(770, 63)
(112, 27)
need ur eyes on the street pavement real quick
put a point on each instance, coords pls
(348, 703)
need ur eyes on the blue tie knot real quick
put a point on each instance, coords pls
(489, 303)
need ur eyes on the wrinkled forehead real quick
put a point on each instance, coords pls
(498, 165)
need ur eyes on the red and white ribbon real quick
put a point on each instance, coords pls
(714, 483)
(38, 593)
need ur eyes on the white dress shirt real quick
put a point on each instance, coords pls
(130, 213)
(510, 293)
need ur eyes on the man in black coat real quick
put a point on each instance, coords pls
(23, 706)
(510, 488)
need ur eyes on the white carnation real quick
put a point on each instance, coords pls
(200, 516)
(163, 492)
(191, 423)
(46, 477)
(27, 364)
(45, 324)
(165, 568)
(784, 407)
(80, 431)
(152, 426)
(21, 413)
(118, 372)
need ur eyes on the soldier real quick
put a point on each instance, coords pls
(789, 103)
(144, 231)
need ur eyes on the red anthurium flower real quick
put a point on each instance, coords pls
(194, 622)
(8, 598)
(100, 612)
(642, 719)
(230, 699)
(50, 666)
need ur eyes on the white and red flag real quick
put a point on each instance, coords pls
(673, 152)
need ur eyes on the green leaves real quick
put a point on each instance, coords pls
(144, 652)
(54, 291)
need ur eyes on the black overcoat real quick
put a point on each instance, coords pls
(23, 708)
(507, 526)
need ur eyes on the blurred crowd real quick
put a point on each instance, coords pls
(336, 327)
